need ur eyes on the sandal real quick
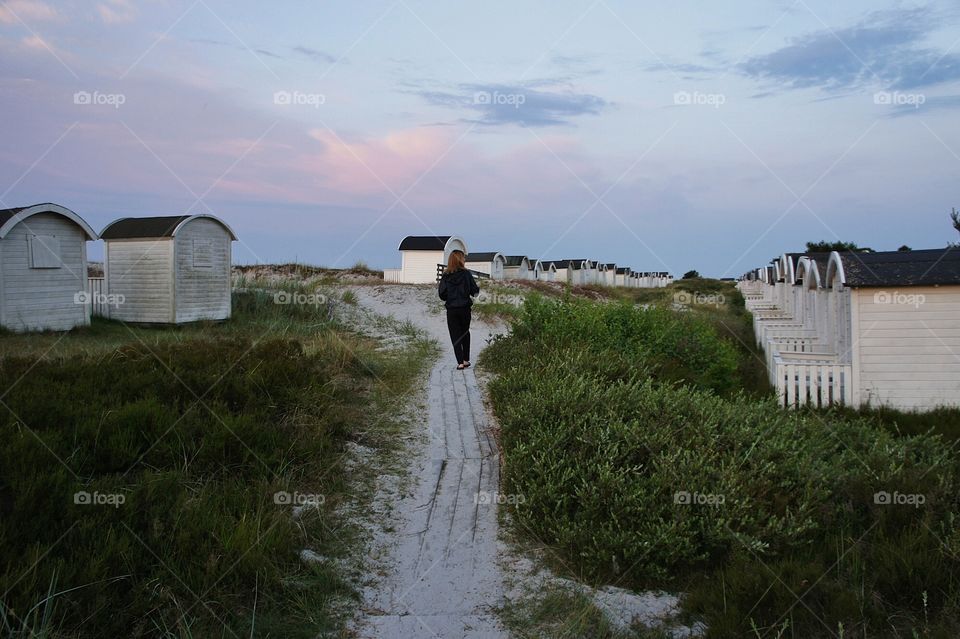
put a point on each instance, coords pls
(460, 367)
(466, 364)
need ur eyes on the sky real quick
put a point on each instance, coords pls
(661, 136)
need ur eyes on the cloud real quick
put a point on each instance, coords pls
(884, 48)
(314, 54)
(238, 47)
(13, 11)
(117, 11)
(679, 67)
(496, 104)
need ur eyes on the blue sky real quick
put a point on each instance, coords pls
(667, 137)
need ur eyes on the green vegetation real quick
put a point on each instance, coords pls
(642, 464)
(149, 477)
(497, 301)
(564, 613)
(824, 246)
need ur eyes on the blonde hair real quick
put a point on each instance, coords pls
(456, 261)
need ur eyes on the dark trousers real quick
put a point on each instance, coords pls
(458, 322)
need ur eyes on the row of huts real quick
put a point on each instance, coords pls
(860, 328)
(163, 270)
(423, 258)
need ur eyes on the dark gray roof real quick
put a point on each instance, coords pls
(140, 227)
(926, 267)
(559, 263)
(6, 214)
(515, 260)
(821, 259)
(424, 242)
(486, 256)
(623, 269)
(610, 265)
(575, 264)
(129, 228)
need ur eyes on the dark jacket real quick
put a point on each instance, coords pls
(456, 288)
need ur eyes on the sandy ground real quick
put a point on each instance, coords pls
(437, 566)
(438, 550)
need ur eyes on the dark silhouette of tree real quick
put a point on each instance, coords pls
(689, 275)
(955, 217)
(826, 247)
(904, 249)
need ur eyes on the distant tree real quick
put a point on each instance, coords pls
(689, 275)
(904, 249)
(955, 217)
(826, 247)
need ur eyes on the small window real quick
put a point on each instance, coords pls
(203, 254)
(45, 251)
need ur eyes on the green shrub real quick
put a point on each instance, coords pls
(611, 419)
(673, 347)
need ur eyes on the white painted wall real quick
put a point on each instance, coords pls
(908, 354)
(43, 298)
(420, 267)
(493, 268)
(142, 272)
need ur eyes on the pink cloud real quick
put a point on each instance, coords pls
(117, 11)
(15, 11)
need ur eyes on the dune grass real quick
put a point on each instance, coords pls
(164, 481)
(644, 464)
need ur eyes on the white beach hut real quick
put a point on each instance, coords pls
(610, 274)
(490, 262)
(422, 257)
(516, 268)
(536, 269)
(168, 269)
(43, 268)
(549, 272)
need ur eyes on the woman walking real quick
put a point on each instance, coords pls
(456, 288)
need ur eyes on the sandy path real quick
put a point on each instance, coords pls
(437, 551)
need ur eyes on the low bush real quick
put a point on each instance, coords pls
(640, 465)
(669, 346)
